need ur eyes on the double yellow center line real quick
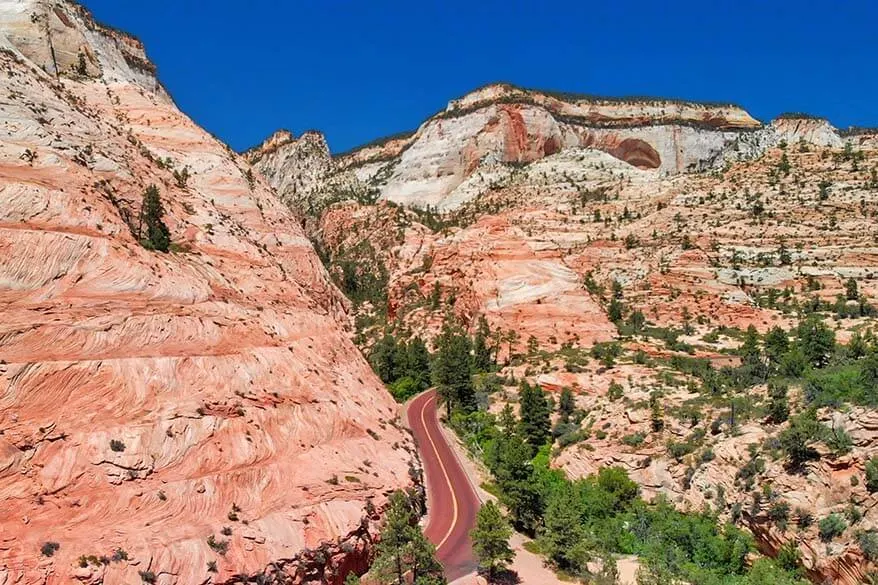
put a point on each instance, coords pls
(444, 472)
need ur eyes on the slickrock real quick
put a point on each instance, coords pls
(149, 400)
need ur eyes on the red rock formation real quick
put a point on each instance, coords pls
(151, 399)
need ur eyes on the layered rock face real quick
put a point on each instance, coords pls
(503, 123)
(177, 413)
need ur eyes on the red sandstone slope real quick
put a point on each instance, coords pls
(149, 400)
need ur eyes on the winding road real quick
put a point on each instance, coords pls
(451, 501)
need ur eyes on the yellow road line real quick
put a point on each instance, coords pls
(444, 472)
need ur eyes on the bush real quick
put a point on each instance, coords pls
(633, 440)
(872, 474)
(868, 541)
(779, 512)
(796, 440)
(117, 445)
(404, 388)
(147, 576)
(831, 527)
(49, 548)
(839, 441)
(219, 546)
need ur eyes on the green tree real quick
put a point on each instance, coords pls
(797, 439)
(483, 358)
(851, 291)
(784, 165)
(566, 404)
(776, 344)
(451, 368)
(418, 362)
(778, 403)
(563, 526)
(352, 579)
(383, 358)
(490, 538)
(157, 236)
(816, 340)
(403, 548)
(535, 424)
(657, 413)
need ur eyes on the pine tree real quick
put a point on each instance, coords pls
(566, 404)
(776, 344)
(404, 549)
(490, 539)
(851, 291)
(451, 369)
(535, 424)
(383, 358)
(816, 340)
(151, 212)
(778, 405)
(418, 363)
(657, 413)
(483, 360)
(563, 525)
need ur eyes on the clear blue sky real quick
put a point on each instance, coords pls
(361, 70)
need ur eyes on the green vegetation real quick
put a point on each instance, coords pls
(49, 548)
(490, 539)
(603, 515)
(404, 549)
(403, 366)
(157, 236)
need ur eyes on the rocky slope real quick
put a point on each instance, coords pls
(165, 414)
(783, 215)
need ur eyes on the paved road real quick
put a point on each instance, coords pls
(451, 502)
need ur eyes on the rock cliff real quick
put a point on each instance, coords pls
(189, 416)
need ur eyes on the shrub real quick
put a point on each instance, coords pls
(117, 445)
(119, 555)
(779, 512)
(788, 556)
(831, 527)
(211, 567)
(804, 518)
(633, 440)
(147, 576)
(797, 438)
(868, 541)
(49, 548)
(839, 441)
(872, 474)
(219, 546)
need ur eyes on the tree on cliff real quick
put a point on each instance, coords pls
(404, 550)
(157, 236)
(491, 539)
(451, 368)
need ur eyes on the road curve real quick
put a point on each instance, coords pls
(451, 502)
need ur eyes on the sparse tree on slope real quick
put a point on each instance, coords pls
(157, 235)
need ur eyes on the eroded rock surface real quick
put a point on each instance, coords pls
(150, 400)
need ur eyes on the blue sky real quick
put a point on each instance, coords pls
(361, 70)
